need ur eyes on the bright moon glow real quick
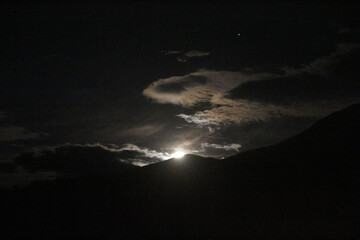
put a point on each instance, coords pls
(178, 154)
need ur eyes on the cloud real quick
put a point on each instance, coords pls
(182, 59)
(218, 92)
(228, 147)
(213, 150)
(203, 86)
(321, 65)
(185, 56)
(196, 53)
(73, 160)
(171, 52)
(146, 130)
(22, 178)
(7, 167)
(244, 112)
(13, 133)
(303, 88)
(348, 30)
(87, 159)
(191, 54)
(151, 155)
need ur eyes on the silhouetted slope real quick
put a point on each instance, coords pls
(188, 165)
(314, 175)
(331, 146)
(303, 188)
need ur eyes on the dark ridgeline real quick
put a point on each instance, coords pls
(305, 187)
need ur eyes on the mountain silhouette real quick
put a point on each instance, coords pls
(306, 187)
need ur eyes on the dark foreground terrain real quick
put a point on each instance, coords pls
(306, 187)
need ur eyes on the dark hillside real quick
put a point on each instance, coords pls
(303, 188)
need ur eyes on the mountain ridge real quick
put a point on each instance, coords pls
(284, 191)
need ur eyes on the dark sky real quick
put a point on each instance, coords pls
(135, 82)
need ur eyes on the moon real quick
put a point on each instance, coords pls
(178, 154)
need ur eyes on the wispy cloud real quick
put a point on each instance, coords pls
(146, 130)
(148, 153)
(185, 56)
(205, 88)
(226, 147)
(71, 160)
(243, 111)
(196, 53)
(171, 52)
(125, 153)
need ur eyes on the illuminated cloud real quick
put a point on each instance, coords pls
(243, 112)
(76, 158)
(226, 147)
(145, 152)
(72, 160)
(203, 86)
(213, 91)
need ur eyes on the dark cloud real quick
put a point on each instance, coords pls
(7, 167)
(13, 133)
(141, 131)
(348, 30)
(196, 53)
(73, 161)
(173, 87)
(182, 84)
(303, 87)
(330, 78)
(182, 59)
(193, 80)
(322, 65)
(185, 56)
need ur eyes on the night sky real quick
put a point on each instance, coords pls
(87, 87)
